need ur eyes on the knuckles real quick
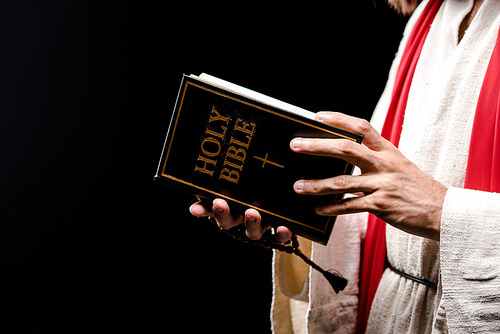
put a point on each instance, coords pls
(363, 126)
(339, 182)
(253, 235)
(326, 186)
(349, 206)
(345, 146)
(311, 145)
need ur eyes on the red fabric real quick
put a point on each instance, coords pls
(374, 253)
(483, 165)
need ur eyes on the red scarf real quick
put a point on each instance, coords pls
(483, 166)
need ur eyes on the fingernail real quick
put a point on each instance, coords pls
(218, 210)
(250, 219)
(299, 185)
(320, 116)
(296, 143)
(195, 211)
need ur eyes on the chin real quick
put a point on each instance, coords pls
(404, 7)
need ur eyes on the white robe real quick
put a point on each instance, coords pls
(466, 262)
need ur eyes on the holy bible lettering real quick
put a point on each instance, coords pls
(236, 153)
(225, 141)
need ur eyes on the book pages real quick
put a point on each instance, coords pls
(255, 95)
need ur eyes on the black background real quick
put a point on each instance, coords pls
(88, 243)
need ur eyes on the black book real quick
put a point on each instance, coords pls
(225, 141)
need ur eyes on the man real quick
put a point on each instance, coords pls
(443, 243)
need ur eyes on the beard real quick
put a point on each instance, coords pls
(404, 7)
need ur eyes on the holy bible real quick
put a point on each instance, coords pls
(226, 141)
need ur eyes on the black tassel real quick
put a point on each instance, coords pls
(337, 281)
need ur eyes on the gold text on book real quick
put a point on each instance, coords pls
(211, 146)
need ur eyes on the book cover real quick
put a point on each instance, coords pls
(221, 144)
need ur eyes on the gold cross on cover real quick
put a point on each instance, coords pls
(264, 161)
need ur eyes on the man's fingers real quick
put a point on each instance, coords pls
(372, 138)
(253, 224)
(199, 210)
(225, 220)
(283, 234)
(251, 219)
(347, 150)
(336, 185)
(223, 215)
(346, 206)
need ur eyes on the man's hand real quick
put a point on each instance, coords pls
(225, 220)
(392, 187)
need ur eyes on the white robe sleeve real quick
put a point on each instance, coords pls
(470, 261)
